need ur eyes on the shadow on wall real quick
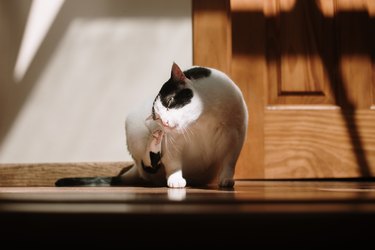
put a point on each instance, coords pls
(96, 61)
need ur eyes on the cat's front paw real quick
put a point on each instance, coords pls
(176, 180)
(155, 144)
(158, 136)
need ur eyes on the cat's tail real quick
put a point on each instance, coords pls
(128, 176)
(88, 181)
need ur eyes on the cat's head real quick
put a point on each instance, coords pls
(177, 105)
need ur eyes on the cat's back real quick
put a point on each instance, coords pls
(214, 83)
(217, 90)
(198, 74)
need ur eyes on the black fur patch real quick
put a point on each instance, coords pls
(155, 159)
(197, 73)
(153, 108)
(149, 169)
(175, 94)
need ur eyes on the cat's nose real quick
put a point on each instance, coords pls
(168, 124)
(165, 123)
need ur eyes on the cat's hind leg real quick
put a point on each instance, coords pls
(128, 178)
(226, 175)
(228, 164)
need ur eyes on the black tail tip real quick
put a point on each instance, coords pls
(66, 182)
(86, 181)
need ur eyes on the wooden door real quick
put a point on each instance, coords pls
(306, 68)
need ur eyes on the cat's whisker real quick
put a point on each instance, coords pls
(169, 140)
(172, 138)
(167, 143)
(174, 144)
(170, 143)
(189, 133)
(184, 134)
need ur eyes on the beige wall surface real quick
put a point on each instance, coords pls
(71, 70)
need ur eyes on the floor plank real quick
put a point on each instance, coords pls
(252, 213)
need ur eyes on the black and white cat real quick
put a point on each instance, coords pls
(190, 134)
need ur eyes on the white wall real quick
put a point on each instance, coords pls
(96, 61)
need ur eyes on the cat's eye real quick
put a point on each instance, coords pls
(170, 100)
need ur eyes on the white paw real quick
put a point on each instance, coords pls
(176, 180)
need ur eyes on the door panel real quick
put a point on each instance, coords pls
(306, 69)
(301, 49)
(355, 47)
(317, 144)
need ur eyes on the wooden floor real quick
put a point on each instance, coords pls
(254, 213)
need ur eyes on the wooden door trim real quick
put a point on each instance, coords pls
(212, 41)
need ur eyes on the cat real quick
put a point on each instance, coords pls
(190, 134)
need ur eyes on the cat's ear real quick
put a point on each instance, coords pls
(177, 74)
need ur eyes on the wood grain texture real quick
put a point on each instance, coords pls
(356, 48)
(212, 34)
(299, 51)
(357, 5)
(301, 66)
(317, 144)
(46, 174)
(246, 5)
(249, 71)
